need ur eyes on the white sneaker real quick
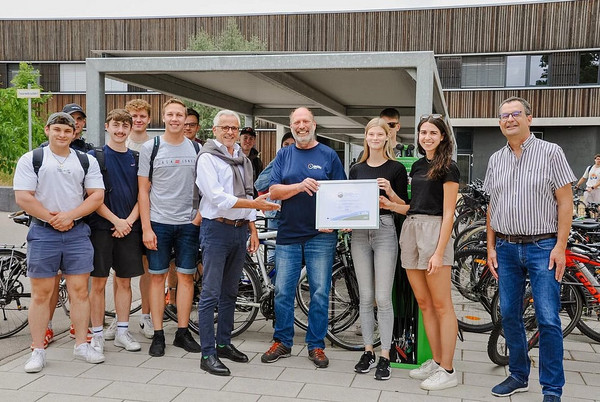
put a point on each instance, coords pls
(126, 340)
(146, 327)
(111, 331)
(97, 343)
(425, 371)
(88, 353)
(36, 362)
(441, 379)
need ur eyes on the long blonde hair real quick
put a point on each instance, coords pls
(387, 150)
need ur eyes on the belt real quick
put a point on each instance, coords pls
(235, 222)
(525, 238)
(40, 222)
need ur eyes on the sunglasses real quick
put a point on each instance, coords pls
(393, 124)
(431, 116)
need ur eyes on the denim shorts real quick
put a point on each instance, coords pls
(183, 239)
(49, 250)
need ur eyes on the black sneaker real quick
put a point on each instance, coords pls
(366, 363)
(185, 340)
(383, 371)
(157, 348)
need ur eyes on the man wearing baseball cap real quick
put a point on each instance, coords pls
(77, 113)
(247, 142)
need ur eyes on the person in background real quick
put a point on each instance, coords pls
(591, 177)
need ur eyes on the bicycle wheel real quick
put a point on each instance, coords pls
(15, 292)
(589, 322)
(246, 306)
(472, 295)
(136, 296)
(342, 327)
(497, 349)
(571, 305)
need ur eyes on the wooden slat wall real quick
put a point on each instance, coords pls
(523, 27)
(577, 102)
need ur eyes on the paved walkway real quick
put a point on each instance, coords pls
(135, 376)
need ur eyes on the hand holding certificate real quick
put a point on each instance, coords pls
(348, 204)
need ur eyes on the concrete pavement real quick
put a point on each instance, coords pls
(129, 376)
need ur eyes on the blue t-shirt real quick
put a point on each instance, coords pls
(122, 177)
(292, 165)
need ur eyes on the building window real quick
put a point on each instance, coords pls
(483, 71)
(588, 68)
(538, 70)
(72, 78)
(111, 85)
(516, 71)
(12, 69)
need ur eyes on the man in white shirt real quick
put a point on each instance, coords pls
(224, 178)
(53, 195)
(592, 178)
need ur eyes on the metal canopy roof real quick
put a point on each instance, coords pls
(344, 90)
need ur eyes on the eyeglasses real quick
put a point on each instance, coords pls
(190, 125)
(393, 124)
(431, 116)
(229, 128)
(506, 116)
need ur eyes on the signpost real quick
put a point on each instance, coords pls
(29, 93)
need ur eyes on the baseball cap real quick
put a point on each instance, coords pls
(249, 131)
(61, 118)
(72, 108)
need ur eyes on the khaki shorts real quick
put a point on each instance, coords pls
(419, 239)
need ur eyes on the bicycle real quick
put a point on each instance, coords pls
(344, 301)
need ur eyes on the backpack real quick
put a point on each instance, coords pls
(38, 158)
(196, 196)
(100, 157)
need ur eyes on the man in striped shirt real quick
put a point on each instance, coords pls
(529, 217)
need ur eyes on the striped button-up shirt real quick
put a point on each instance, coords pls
(522, 200)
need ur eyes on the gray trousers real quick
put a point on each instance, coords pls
(374, 252)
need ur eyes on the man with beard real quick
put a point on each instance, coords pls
(294, 181)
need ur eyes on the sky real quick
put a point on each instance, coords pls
(60, 9)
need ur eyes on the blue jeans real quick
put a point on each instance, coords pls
(515, 261)
(183, 238)
(318, 254)
(223, 254)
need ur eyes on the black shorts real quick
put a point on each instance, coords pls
(123, 255)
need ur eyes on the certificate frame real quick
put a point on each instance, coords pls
(347, 204)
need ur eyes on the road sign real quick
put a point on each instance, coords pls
(28, 93)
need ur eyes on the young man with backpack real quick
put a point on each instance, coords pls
(116, 231)
(166, 182)
(53, 195)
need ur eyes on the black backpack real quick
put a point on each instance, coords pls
(38, 158)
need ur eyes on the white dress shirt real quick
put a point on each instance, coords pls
(214, 178)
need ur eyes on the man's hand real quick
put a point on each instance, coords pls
(264, 205)
(121, 228)
(150, 240)
(61, 221)
(254, 242)
(308, 185)
(492, 262)
(558, 261)
(197, 221)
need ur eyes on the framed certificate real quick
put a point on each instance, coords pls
(348, 204)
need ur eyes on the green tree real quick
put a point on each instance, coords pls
(14, 127)
(229, 40)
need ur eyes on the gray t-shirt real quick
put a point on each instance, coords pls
(172, 187)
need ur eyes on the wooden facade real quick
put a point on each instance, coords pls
(553, 26)
(508, 28)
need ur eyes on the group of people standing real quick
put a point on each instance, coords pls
(152, 202)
